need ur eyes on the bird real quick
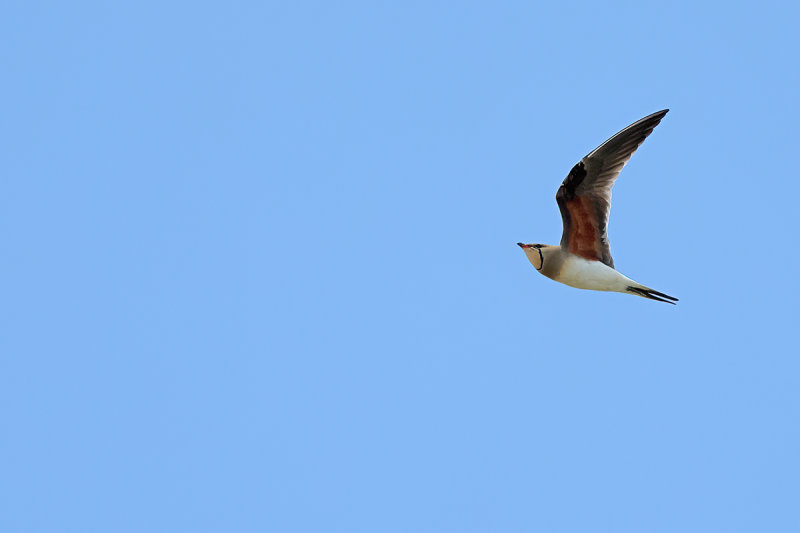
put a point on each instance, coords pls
(583, 259)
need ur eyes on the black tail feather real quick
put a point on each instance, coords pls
(650, 294)
(667, 296)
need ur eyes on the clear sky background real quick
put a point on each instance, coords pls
(261, 274)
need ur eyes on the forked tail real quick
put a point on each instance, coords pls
(650, 294)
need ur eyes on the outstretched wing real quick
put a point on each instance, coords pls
(584, 197)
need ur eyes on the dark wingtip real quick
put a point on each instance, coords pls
(657, 115)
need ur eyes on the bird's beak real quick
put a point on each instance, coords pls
(523, 246)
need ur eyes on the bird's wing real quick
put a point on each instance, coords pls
(584, 197)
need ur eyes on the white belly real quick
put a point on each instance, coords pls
(594, 275)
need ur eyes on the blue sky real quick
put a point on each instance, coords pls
(261, 274)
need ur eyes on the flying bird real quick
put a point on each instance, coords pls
(583, 260)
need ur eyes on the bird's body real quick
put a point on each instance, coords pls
(583, 260)
(584, 274)
(575, 271)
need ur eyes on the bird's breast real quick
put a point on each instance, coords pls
(594, 275)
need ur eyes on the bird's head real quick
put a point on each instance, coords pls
(536, 253)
